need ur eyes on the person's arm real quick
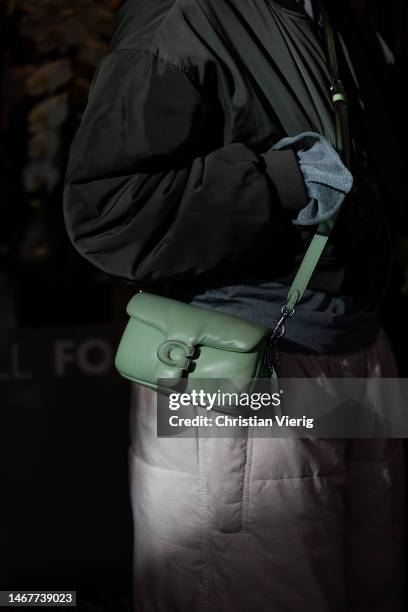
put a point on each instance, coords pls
(151, 195)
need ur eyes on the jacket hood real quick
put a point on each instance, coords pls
(136, 21)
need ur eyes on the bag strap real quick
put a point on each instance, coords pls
(319, 240)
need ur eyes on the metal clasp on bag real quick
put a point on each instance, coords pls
(164, 354)
(279, 325)
(278, 331)
(190, 358)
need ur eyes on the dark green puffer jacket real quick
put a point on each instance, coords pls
(171, 177)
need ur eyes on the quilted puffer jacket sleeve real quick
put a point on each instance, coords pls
(150, 194)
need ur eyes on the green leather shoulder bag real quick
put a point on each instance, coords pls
(172, 340)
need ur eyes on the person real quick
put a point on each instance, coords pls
(203, 163)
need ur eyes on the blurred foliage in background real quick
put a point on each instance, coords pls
(50, 50)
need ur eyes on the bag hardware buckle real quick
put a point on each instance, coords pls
(279, 324)
(164, 354)
(338, 91)
(278, 331)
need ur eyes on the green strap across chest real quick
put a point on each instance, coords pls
(319, 240)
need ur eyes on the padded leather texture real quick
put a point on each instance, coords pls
(161, 332)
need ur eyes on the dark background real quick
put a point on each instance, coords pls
(64, 411)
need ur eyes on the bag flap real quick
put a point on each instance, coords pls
(194, 325)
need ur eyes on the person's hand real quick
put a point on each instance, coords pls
(327, 179)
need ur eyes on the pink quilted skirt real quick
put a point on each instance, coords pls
(269, 524)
